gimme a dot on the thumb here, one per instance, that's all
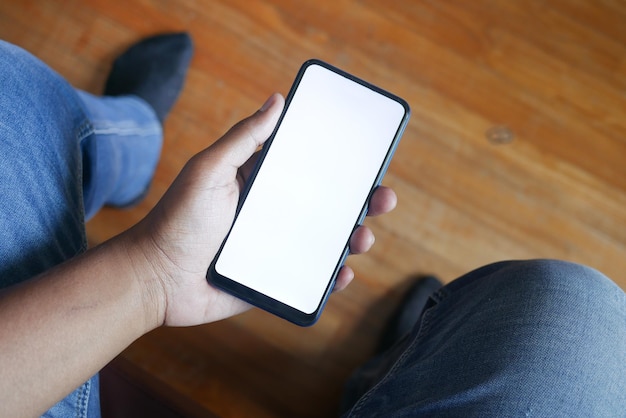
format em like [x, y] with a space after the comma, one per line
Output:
[235, 148]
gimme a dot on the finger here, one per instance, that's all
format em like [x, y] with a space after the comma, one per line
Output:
[361, 240]
[246, 169]
[383, 200]
[235, 148]
[345, 276]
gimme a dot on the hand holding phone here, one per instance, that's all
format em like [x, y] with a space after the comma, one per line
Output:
[308, 192]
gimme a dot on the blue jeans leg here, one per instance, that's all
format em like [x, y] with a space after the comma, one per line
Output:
[527, 338]
[41, 125]
[44, 123]
[122, 153]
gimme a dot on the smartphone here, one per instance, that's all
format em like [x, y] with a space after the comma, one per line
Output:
[308, 192]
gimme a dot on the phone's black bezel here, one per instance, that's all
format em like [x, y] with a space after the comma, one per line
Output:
[258, 299]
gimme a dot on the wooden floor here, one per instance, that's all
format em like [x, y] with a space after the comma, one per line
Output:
[550, 73]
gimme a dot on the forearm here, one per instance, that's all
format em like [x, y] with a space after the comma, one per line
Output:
[60, 328]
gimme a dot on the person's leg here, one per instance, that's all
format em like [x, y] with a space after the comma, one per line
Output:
[50, 134]
[41, 211]
[121, 155]
[530, 338]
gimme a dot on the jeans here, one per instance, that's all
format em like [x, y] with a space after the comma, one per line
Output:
[63, 155]
[534, 338]
[526, 338]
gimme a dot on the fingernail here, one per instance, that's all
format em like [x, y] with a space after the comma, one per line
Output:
[268, 103]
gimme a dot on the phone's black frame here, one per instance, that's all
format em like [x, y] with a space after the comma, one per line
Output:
[258, 299]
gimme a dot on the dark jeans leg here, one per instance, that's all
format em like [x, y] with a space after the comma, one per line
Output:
[527, 338]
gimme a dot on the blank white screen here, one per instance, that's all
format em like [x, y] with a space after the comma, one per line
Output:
[307, 196]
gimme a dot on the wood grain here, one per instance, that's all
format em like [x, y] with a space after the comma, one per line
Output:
[553, 72]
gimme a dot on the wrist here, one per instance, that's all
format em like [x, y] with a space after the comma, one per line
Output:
[146, 272]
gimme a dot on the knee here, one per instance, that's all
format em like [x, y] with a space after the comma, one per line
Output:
[18, 69]
[554, 286]
[558, 323]
[537, 331]
[31, 88]
[557, 275]
[541, 285]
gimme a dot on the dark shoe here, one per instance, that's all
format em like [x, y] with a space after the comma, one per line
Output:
[409, 311]
[153, 69]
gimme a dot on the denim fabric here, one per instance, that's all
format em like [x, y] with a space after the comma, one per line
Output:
[122, 154]
[46, 132]
[41, 125]
[529, 338]
[84, 402]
